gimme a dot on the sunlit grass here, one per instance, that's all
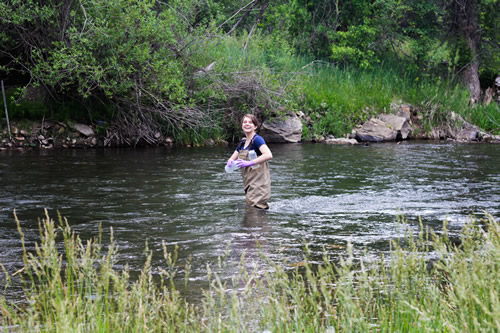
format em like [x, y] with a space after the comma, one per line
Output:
[427, 284]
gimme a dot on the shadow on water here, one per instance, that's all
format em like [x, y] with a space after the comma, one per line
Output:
[322, 196]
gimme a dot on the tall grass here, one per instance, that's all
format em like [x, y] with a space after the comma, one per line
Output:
[427, 284]
[339, 98]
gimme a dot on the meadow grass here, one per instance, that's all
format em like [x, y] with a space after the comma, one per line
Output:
[427, 283]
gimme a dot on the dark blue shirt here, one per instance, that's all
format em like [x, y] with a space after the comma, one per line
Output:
[255, 144]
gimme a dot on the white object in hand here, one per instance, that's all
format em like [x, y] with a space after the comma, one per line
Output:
[232, 167]
[252, 155]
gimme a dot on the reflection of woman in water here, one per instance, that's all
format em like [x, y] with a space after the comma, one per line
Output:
[256, 176]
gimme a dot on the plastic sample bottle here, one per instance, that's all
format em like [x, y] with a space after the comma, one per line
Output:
[252, 155]
[232, 167]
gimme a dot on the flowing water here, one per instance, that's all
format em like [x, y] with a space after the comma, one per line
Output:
[323, 196]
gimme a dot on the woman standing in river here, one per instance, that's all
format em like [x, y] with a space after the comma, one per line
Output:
[255, 171]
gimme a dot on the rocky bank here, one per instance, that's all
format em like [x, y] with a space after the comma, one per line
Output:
[403, 123]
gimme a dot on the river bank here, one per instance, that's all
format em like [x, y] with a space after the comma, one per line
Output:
[47, 134]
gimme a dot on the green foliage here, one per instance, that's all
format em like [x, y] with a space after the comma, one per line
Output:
[125, 52]
[141, 63]
[486, 117]
[354, 46]
[337, 100]
[490, 33]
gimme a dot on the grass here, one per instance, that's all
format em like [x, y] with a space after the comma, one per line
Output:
[338, 98]
[427, 284]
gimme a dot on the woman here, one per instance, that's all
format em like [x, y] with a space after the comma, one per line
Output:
[256, 176]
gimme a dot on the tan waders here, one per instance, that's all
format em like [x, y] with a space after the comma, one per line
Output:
[256, 182]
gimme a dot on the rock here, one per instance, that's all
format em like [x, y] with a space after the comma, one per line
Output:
[222, 143]
[468, 134]
[463, 130]
[341, 141]
[210, 142]
[375, 130]
[84, 129]
[387, 127]
[288, 129]
[169, 140]
[400, 124]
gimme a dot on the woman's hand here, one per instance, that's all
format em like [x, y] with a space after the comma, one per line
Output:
[243, 164]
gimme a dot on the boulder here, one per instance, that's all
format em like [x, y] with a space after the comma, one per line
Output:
[375, 130]
[468, 134]
[387, 127]
[400, 124]
[84, 129]
[341, 141]
[463, 130]
[282, 130]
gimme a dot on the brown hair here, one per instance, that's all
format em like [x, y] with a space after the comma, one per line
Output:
[252, 118]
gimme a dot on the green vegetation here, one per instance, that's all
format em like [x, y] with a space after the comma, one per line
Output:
[428, 283]
[191, 68]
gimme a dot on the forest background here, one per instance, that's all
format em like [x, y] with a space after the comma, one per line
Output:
[191, 68]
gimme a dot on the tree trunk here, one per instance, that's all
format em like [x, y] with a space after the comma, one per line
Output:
[471, 76]
[466, 24]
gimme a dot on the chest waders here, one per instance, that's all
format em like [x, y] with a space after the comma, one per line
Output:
[256, 182]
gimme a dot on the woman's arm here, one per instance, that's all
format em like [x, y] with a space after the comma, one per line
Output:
[233, 157]
[266, 154]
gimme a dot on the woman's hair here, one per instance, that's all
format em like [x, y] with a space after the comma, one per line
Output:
[252, 118]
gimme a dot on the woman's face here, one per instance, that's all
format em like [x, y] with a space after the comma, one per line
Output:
[248, 126]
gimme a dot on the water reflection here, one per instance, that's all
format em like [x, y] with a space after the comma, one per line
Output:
[251, 239]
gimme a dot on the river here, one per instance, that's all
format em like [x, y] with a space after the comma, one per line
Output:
[323, 196]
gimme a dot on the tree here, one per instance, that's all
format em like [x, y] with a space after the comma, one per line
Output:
[131, 54]
[464, 25]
